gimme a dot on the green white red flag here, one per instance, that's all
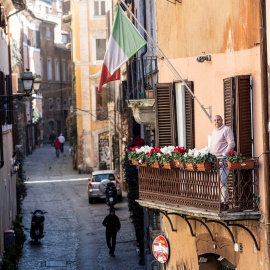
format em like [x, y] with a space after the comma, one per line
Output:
[124, 42]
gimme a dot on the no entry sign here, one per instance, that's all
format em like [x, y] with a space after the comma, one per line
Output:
[160, 249]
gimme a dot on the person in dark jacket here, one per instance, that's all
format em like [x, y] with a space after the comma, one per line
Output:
[52, 137]
[57, 146]
[112, 224]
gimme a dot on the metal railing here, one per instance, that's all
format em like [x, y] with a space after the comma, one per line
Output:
[238, 191]
[142, 75]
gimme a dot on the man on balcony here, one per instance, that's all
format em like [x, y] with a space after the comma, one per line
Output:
[222, 141]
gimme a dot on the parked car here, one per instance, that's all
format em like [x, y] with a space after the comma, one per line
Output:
[97, 184]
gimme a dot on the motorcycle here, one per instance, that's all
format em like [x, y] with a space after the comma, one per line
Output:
[37, 225]
[111, 195]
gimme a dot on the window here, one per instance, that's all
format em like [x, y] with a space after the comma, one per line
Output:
[174, 115]
[38, 39]
[49, 69]
[64, 71]
[69, 71]
[41, 67]
[57, 75]
[58, 104]
[50, 104]
[99, 8]
[237, 111]
[48, 33]
[100, 49]
[102, 104]
[64, 39]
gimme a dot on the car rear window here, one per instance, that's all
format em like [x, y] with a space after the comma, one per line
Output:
[100, 177]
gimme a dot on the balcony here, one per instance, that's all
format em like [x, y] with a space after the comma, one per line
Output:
[142, 75]
[201, 193]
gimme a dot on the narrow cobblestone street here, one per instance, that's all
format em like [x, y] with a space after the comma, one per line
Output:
[74, 235]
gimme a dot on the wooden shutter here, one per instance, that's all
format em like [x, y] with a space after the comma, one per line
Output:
[190, 125]
[165, 133]
[229, 97]
[243, 112]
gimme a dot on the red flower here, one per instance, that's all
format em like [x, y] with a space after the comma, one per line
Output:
[180, 150]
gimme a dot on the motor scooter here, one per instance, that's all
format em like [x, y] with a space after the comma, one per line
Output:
[37, 225]
[111, 195]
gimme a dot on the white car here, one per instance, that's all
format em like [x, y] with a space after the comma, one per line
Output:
[97, 184]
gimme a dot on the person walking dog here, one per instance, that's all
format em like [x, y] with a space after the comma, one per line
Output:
[112, 224]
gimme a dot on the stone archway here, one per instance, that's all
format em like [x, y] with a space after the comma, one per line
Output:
[211, 261]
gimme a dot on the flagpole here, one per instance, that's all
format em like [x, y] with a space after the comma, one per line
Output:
[167, 60]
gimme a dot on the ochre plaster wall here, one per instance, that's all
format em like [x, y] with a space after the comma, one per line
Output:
[185, 249]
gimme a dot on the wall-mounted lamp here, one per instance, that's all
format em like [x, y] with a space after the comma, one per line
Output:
[201, 59]
[29, 83]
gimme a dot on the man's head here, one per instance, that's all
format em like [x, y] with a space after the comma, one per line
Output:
[112, 212]
[217, 121]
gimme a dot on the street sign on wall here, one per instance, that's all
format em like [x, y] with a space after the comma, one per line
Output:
[160, 249]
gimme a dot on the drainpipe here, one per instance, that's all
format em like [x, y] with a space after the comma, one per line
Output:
[264, 104]
[146, 47]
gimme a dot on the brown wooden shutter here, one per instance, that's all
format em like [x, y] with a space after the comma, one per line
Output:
[229, 97]
[190, 125]
[165, 133]
[243, 112]
[9, 114]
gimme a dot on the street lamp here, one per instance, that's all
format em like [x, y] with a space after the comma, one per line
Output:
[29, 83]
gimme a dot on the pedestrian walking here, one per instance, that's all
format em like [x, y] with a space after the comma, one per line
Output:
[52, 137]
[61, 138]
[112, 224]
[57, 146]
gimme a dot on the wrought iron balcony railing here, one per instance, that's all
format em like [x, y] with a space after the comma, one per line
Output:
[142, 75]
[201, 189]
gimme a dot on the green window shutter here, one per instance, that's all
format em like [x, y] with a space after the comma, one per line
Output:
[165, 133]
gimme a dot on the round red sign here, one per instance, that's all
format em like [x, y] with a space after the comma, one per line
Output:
[160, 249]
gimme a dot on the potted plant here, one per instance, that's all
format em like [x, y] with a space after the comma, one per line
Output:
[153, 157]
[178, 156]
[142, 152]
[203, 159]
[133, 155]
[236, 161]
[167, 157]
[188, 159]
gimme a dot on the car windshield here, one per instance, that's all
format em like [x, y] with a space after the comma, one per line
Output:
[100, 177]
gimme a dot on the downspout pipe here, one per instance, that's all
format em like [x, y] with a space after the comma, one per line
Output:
[265, 120]
[146, 47]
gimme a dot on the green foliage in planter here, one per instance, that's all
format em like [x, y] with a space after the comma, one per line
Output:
[136, 211]
[71, 123]
[10, 258]
[12, 254]
[20, 236]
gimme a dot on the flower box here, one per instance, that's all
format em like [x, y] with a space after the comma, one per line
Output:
[144, 164]
[134, 162]
[246, 164]
[190, 166]
[179, 164]
[155, 164]
[168, 165]
[206, 166]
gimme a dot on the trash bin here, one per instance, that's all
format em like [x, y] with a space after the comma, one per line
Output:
[9, 238]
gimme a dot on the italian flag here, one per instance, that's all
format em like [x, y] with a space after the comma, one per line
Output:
[124, 42]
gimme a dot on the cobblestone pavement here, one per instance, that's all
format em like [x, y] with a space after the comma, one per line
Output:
[74, 236]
